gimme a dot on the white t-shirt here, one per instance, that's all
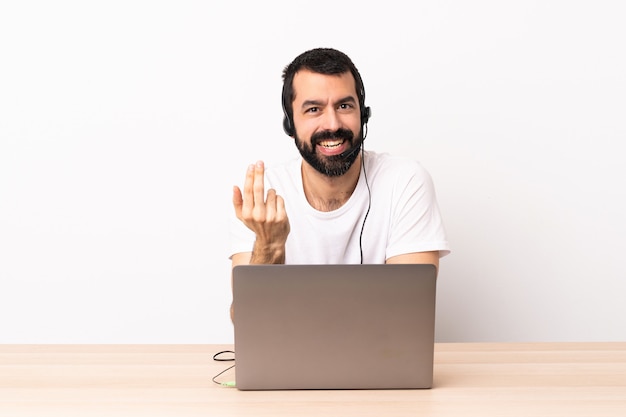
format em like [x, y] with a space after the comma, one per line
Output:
[403, 217]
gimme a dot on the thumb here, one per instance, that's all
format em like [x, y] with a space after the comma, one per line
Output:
[237, 200]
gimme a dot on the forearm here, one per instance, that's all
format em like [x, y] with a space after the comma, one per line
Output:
[268, 253]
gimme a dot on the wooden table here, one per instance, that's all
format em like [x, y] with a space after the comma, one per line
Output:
[471, 379]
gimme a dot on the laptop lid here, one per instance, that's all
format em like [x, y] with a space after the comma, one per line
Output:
[334, 326]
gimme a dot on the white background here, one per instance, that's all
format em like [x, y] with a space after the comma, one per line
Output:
[125, 124]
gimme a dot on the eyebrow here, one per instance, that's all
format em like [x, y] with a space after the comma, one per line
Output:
[347, 99]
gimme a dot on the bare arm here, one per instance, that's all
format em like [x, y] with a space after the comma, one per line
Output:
[416, 258]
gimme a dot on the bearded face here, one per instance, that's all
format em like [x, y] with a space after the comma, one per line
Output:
[322, 143]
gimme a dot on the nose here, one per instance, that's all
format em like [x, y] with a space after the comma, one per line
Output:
[331, 120]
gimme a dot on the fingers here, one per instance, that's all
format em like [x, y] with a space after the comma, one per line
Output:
[275, 207]
[258, 191]
[281, 213]
[237, 201]
[248, 190]
[258, 184]
[270, 205]
[264, 215]
[251, 203]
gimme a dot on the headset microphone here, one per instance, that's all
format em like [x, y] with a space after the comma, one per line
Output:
[350, 152]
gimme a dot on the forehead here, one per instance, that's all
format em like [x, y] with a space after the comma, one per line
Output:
[308, 85]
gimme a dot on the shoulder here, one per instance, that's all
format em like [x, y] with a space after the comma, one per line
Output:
[394, 166]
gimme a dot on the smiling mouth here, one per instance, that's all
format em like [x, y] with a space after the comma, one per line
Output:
[330, 144]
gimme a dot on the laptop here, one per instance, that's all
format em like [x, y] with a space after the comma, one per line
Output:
[334, 326]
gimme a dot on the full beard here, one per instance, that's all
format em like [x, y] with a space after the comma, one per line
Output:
[335, 165]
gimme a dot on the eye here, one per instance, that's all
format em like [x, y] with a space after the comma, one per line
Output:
[312, 110]
[346, 106]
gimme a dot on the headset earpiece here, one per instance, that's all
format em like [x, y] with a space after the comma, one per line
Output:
[366, 113]
[287, 126]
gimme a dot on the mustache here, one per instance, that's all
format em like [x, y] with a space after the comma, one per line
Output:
[329, 134]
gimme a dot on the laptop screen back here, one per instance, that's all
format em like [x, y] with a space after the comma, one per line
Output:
[334, 326]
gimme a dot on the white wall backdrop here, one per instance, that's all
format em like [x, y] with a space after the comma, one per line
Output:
[125, 124]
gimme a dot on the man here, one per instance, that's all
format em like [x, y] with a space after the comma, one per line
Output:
[337, 203]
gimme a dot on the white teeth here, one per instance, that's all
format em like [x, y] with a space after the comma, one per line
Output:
[331, 143]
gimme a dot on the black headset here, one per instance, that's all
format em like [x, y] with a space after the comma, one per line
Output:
[366, 112]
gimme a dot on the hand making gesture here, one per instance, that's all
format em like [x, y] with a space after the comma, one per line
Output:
[265, 216]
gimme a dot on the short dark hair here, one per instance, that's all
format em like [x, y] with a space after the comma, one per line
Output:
[321, 61]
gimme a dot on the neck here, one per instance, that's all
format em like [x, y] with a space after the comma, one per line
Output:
[326, 193]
